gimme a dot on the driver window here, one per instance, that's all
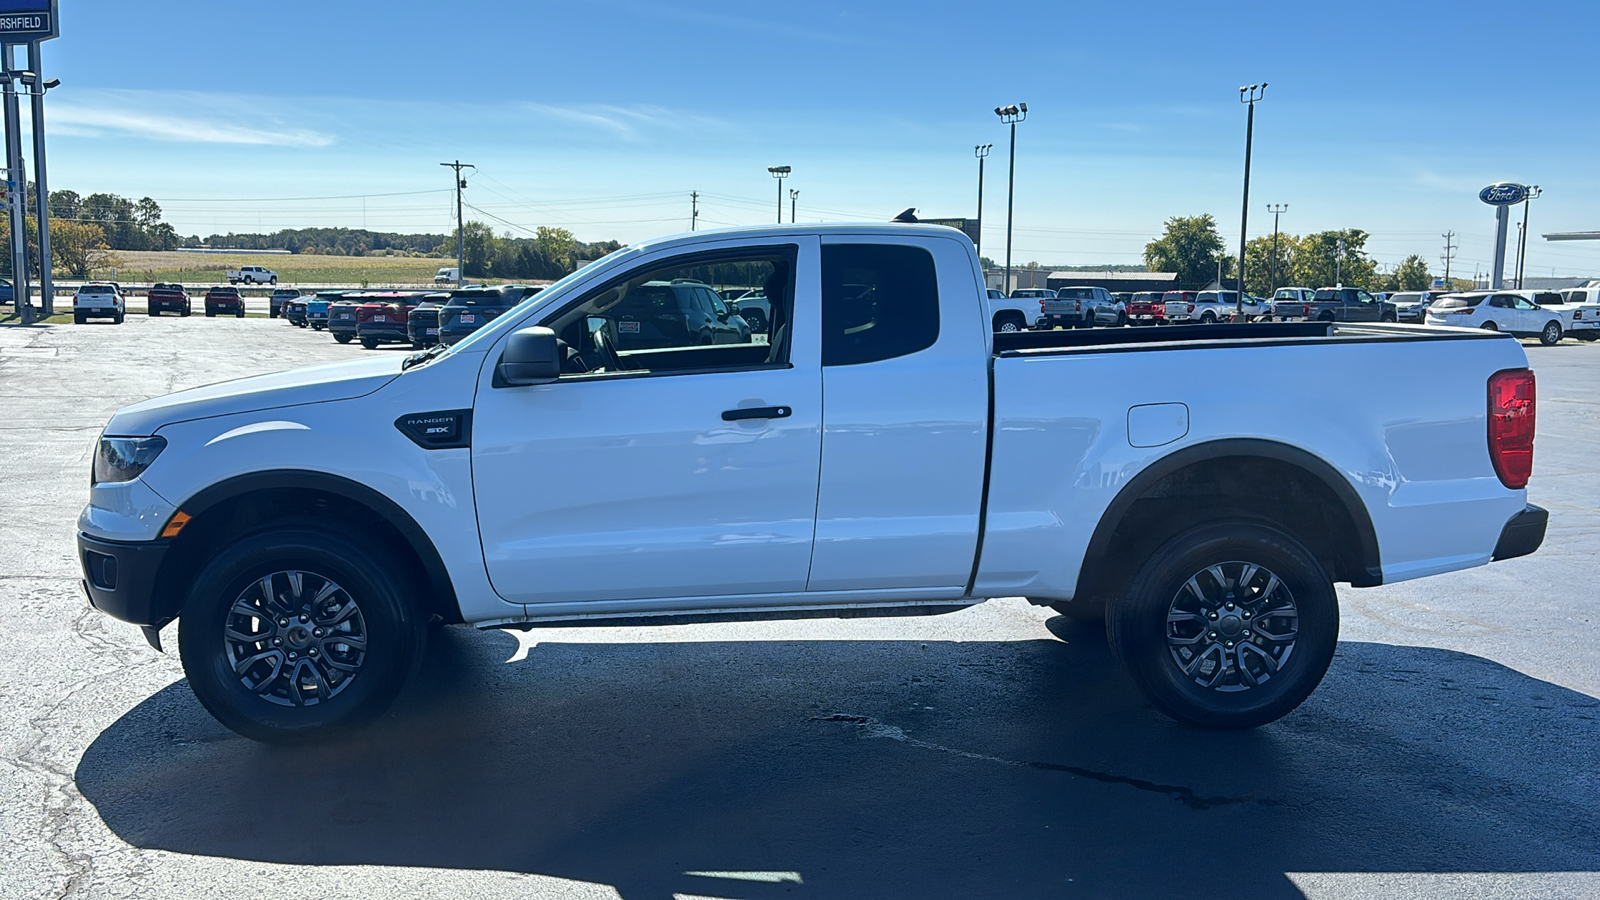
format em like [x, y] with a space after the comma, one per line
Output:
[1523, 303]
[669, 318]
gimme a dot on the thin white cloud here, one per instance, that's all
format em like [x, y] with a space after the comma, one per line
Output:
[629, 123]
[98, 121]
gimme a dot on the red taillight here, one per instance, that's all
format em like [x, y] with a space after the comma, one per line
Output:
[1305, 310]
[1077, 307]
[1041, 306]
[1191, 307]
[1511, 418]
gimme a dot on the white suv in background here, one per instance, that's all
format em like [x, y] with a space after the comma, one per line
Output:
[98, 301]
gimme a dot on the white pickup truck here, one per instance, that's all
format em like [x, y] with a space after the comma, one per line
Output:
[586, 458]
[252, 275]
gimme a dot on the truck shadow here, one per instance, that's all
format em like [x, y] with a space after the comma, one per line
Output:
[879, 768]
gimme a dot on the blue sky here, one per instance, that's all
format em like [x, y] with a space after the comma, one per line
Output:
[602, 116]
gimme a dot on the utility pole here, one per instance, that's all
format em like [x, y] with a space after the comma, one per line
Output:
[981, 151]
[1248, 96]
[1338, 265]
[1449, 255]
[1277, 209]
[1011, 115]
[1521, 236]
[794, 195]
[694, 209]
[461, 256]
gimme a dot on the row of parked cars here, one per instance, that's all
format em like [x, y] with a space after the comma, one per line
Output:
[425, 318]
[105, 300]
[1547, 315]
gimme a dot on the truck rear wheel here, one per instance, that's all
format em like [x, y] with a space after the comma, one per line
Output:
[1228, 625]
[286, 641]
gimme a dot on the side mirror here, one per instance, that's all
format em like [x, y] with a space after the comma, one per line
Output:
[531, 356]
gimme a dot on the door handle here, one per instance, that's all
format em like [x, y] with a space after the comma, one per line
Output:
[757, 412]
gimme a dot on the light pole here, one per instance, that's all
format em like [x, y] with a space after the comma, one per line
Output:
[1338, 265]
[1277, 209]
[1248, 96]
[794, 195]
[36, 86]
[981, 151]
[780, 173]
[1011, 115]
[1522, 240]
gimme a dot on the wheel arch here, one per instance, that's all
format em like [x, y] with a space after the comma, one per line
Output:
[1341, 533]
[228, 508]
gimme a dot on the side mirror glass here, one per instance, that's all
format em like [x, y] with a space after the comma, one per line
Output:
[531, 356]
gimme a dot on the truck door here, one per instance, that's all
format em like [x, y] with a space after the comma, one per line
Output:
[905, 415]
[1366, 307]
[658, 467]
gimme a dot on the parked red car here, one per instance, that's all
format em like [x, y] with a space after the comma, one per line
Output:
[381, 318]
[1147, 308]
[164, 297]
[223, 300]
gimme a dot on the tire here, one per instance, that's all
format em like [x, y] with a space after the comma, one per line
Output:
[1490, 326]
[1325, 317]
[1389, 317]
[1122, 320]
[77, 318]
[1007, 324]
[1551, 334]
[1304, 620]
[329, 690]
[369, 343]
[184, 313]
[342, 338]
[272, 280]
[756, 321]
[272, 311]
[151, 313]
[1206, 318]
[117, 319]
[211, 313]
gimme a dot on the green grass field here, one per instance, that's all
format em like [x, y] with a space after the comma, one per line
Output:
[292, 268]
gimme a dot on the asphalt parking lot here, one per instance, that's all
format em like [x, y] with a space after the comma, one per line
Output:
[1454, 749]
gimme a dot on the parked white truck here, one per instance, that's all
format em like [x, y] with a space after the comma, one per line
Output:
[252, 275]
[587, 458]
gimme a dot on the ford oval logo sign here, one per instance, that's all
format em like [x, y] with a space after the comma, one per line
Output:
[1503, 193]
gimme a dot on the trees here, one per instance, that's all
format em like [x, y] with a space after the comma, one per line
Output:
[78, 247]
[1318, 264]
[1258, 263]
[1412, 274]
[1189, 246]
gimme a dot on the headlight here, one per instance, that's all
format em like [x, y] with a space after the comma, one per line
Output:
[123, 458]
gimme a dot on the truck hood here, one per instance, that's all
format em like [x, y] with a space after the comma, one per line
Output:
[314, 384]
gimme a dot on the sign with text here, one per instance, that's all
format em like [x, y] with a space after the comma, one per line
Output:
[25, 21]
[969, 226]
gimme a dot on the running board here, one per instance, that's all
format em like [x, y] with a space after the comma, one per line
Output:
[737, 615]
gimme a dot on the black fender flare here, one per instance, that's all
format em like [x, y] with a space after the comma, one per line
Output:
[442, 590]
[1368, 570]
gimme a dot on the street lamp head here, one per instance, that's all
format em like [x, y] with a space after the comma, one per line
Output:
[1024, 107]
[779, 171]
[794, 193]
[52, 84]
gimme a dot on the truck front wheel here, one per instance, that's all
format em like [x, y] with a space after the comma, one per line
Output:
[286, 641]
[1228, 625]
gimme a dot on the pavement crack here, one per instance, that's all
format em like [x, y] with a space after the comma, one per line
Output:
[872, 728]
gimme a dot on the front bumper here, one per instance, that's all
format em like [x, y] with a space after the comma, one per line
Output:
[1523, 533]
[120, 578]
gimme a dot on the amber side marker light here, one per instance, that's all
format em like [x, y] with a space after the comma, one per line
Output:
[175, 524]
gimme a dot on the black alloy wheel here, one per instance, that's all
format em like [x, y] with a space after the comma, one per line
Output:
[1228, 625]
[285, 640]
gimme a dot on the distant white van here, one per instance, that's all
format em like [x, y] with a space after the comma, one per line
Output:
[448, 274]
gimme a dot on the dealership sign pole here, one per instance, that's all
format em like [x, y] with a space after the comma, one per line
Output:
[1501, 195]
[26, 22]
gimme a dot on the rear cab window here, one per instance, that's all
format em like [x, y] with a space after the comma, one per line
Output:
[879, 301]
